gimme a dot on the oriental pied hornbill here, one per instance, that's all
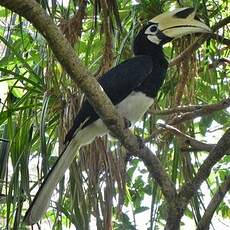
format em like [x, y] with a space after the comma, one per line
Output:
[131, 86]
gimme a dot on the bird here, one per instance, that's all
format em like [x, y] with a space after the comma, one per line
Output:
[131, 86]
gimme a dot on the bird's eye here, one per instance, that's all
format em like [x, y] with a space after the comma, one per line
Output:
[153, 28]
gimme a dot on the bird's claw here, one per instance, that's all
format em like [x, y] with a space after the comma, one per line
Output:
[140, 142]
[127, 122]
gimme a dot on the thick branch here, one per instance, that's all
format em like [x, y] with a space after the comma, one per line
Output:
[176, 208]
[222, 148]
[63, 51]
[213, 205]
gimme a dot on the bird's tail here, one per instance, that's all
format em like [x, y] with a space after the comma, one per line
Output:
[43, 196]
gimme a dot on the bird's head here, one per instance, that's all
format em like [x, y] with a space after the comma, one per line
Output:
[170, 25]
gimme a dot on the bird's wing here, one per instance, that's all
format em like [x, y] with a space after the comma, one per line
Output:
[117, 83]
[120, 81]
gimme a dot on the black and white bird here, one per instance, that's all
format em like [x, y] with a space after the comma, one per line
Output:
[131, 86]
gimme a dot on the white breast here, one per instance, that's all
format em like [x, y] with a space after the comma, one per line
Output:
[134, 106]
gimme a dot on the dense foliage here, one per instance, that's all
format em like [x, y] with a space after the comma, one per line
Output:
[106, 187]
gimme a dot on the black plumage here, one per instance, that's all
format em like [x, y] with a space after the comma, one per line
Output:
[143, 73]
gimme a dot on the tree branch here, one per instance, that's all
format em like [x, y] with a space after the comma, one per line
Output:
[220, 39]
[222, 148]
[214, 203]
[204, 110]
[191, 112]
[220, 61]
[177, 207]
[191, 108]
[63, 51]
[195, 144]
[221, 23]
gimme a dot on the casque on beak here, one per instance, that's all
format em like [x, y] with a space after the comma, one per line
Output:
[180, 22]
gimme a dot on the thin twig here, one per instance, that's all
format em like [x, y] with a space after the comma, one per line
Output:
[221, 23]
[220, 61]
[195, 144]
[4, 140]
[214, 203]
[191, 108]
[220, 39]
[222, 148]
[205, 110]
[191, 112]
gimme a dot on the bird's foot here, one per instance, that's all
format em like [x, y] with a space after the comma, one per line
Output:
[127, 122]
[140, 142]
[128, 157]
